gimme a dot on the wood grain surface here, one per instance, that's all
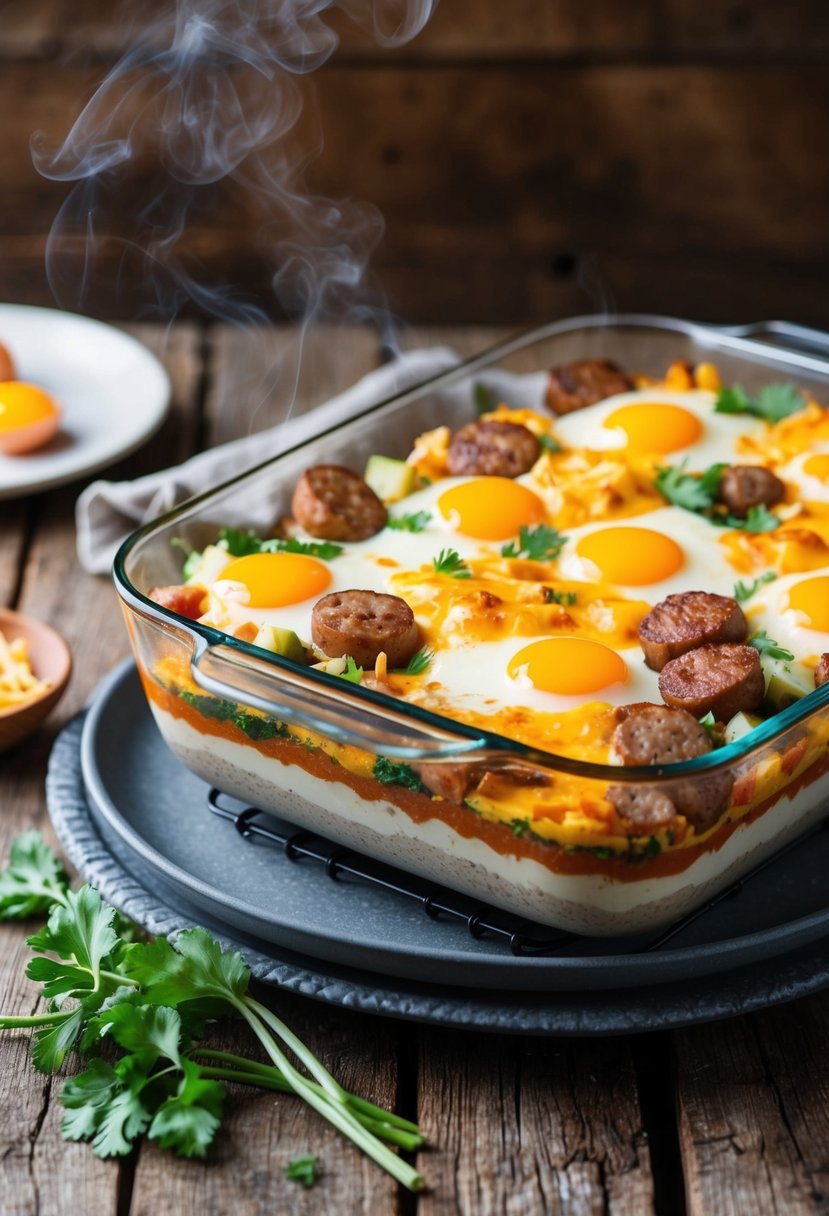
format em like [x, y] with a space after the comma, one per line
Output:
[722, 1119]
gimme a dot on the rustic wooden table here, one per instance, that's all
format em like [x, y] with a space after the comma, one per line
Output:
[720, 1119]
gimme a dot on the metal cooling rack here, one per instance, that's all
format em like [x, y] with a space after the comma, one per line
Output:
[524, 938]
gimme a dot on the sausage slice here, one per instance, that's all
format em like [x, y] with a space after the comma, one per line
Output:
[185, 600]
[657, 734]
[452, 782]
[490, 448]
[721, 680]
[743, 486]
[692, 618]
[822, 670]
[333, 503]
[575, 385]
[362, 624]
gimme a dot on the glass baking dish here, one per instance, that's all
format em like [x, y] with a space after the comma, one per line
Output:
[337, 758]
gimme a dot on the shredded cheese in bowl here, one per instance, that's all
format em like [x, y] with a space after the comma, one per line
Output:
[18, 683]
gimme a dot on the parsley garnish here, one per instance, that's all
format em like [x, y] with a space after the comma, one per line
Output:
[772, 403]
[709, 722]
[152, 1001]
[452, 564]
[242, 544]
[394, 772]
[744, 591]
[415, 522]
[418, 663]
[303, 1169]
[549, 443]
[758, 519]
[520, 826]
[688, 491]
[352, 672]
[560, 597]
[767, 646]
[538, 544]
[484, 399]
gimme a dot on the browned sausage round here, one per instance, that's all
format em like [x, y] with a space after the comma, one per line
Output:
[490, 448]
[452, 782]
[692, 618]
[333, 503]
[572, 386]
[363, 624]
[657, 734]
[822, 670]
[185, 600]
[721, 680]
[746, 485]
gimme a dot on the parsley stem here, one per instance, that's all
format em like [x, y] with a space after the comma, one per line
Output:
[119, 978]
[299, 1049]
[37, 1019]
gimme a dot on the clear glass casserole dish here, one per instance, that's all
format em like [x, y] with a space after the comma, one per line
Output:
[342, 759]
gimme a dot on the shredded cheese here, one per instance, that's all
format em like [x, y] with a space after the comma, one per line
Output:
[18, 683]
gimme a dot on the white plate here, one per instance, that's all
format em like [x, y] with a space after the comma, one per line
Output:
[113, 392]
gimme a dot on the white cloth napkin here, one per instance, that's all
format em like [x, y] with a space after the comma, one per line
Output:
[108, 511]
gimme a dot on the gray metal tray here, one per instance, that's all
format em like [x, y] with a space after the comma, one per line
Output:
[152, 814]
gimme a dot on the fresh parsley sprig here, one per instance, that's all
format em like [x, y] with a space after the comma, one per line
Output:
[538, 544]
[686, 490]
[151, 1000]
[242, 544]
[772, 403]
[419, 662]
[767, 646]
[757, 519]
[417, 521]
[352, 672]
[450, 563]
[744, 591]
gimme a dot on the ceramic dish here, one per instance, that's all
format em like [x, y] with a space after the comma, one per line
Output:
[113, 393]
[339, 758]
[50, 661]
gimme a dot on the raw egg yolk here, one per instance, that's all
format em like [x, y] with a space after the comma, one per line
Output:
[29, 417]
[818, 466]
[569, 666]
[656, 428]
[811, 597]
[276, 579]
[490, 508]
[631, 556]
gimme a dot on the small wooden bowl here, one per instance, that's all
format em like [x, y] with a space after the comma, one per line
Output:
[50, 659]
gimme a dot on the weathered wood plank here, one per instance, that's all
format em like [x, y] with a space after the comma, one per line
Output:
[42, 1175]
[13, 522]
[592, 185]
[523, 1126]
[753, 1100]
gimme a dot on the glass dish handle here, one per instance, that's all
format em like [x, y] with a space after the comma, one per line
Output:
[336, 713]
[784, 333]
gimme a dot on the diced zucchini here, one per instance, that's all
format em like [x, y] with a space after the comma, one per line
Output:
[390, 479]
[209, 566]
[281, 641]
[785, 682]
[740, 725]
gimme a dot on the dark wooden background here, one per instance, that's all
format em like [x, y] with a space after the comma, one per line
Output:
[530, 158]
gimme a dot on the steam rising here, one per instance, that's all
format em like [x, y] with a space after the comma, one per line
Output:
[205, 110]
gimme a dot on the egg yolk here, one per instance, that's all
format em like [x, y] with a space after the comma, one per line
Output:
[28, 416]
[276, 579]
[569, 666]
[490, 508]
[817, 466]
[811, 597]
[631, 556]
[651, 427]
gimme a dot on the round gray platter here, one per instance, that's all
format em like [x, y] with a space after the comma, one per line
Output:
[136, 824]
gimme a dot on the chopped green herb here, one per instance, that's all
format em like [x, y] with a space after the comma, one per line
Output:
[252, 725]
[242, 544]
[767, 646]
[33, 881]
[520, 826]
[452, 564]
[418, 663]
[484, 399]
[303, 1169]
[709, 722]
[758, 519]
[549, 443]
[772, 403]
[744, 591]
[392, 772]
[687, 490]
[538, 544]
[352, 672]
[552, 596]
[416, 522]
